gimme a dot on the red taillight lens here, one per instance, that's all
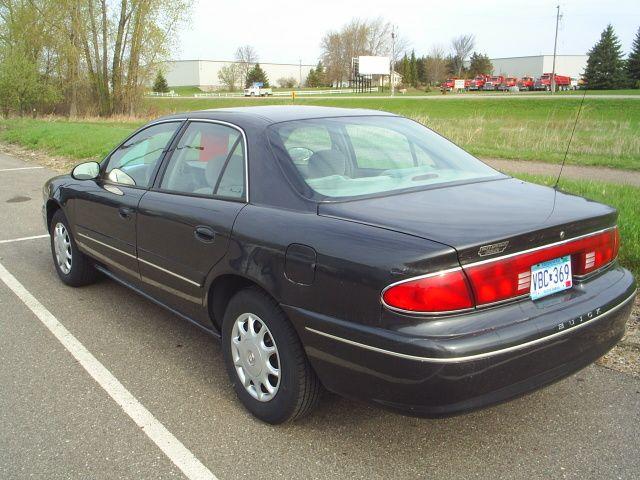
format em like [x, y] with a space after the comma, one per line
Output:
[499, 279]
[505, 278]
[441, 292]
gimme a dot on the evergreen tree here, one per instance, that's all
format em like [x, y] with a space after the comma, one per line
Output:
[605, 66]
[405, 70]
[320, 74]
[256, 75]
[421, 71]
[480, 65]
[413, 70]
[160, 84]
[633, 62]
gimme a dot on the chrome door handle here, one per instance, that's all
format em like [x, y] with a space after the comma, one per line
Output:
[204, 234]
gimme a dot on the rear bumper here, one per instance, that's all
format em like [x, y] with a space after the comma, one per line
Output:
[436, 367]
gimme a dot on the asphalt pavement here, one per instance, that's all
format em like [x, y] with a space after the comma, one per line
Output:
[61, 419]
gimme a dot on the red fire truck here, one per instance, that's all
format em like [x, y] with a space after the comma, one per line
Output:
[492, 83]
[507, 83]
[544, 82]
[526, 83]
[478, 82]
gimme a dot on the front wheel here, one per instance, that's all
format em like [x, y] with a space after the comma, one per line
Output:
[265, 359]
[73, 267]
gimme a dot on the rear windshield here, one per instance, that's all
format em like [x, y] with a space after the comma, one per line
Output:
[354, 156]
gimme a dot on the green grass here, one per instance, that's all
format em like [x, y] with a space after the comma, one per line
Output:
[74, 140]
[608, 133]
[186, 91]
[625, 198]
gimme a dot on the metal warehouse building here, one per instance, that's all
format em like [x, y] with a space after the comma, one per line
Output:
[204, 73]
[534, 66]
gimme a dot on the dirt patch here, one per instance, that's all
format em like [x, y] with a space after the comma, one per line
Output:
[625, 357]
[577, 172]
[59, 164]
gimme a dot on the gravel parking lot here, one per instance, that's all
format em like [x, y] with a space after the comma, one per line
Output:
[64, 412]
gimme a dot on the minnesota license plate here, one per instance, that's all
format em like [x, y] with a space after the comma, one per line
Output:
[551, 277]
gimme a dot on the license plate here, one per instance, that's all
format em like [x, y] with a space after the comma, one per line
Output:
[551, 277]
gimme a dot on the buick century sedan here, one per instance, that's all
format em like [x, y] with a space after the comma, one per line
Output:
[350, 250]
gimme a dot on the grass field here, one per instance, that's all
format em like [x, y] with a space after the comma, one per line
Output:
[608, 133]
[625, 198]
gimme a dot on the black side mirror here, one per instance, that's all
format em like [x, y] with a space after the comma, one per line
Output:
[86, 171]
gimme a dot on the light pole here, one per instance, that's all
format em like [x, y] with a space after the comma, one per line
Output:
[555, 47]
[393, 61]
[300, 75]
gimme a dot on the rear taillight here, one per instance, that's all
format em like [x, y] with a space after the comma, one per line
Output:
[498, 279]
[508, 277]
[441, 292]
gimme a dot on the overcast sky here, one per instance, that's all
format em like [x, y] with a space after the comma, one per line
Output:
[286, 31]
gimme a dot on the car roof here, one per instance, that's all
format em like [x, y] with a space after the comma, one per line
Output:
[269, 114]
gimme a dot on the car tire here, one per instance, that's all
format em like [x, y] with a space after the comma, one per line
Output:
[74, 267]
[296, 389]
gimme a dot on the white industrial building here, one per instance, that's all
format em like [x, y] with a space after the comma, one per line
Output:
[204, 73]
[534, 66]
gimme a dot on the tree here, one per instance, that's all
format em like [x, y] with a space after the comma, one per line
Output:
[286, 82]
[480, 64]
[461, 47]
[22, 88]
[605, 66]
[356, 38]
[633, 62]
[246, 57]
[160, 84]
[229, 75]
[436, 65]
[413, 72]
[256, 75]
[99, 50]
[421, 71]
[405, 70]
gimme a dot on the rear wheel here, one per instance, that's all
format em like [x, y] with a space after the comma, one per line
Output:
[265, 359]
[74, 268]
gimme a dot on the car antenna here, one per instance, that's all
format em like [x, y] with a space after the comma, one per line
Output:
[573, 131]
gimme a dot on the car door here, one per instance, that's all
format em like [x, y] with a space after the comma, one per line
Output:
[185, 221]
[105, 209]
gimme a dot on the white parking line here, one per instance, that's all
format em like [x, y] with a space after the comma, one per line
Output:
[11, 240]
[19, 168]
[163, 438]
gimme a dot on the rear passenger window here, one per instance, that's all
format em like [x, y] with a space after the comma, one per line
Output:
[208, 160]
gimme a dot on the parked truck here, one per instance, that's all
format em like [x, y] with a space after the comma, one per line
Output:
[257, 90]
[492, 83]
[508, 83]
[544, 82]
[478, 82]
[526, 83]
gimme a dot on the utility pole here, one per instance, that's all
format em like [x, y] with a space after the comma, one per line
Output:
[393, 61]
[555, 47]
[300, 74]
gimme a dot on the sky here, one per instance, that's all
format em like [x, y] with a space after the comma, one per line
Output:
[287, 32]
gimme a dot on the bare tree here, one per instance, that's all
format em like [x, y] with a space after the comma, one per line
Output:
[358, 37]
[461, 47]
[436, 65]
[247, 57]
[229, 75]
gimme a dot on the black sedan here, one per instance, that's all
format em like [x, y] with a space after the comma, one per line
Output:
[351, 250]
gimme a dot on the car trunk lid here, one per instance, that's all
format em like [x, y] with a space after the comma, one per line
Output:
[483, 219]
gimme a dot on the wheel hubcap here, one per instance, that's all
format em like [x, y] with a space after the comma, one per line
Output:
[62, 247]
[255, 357]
